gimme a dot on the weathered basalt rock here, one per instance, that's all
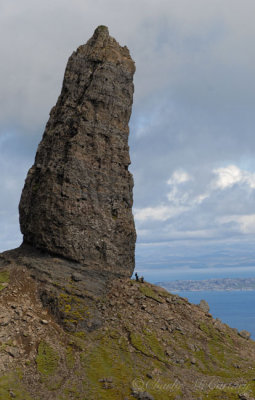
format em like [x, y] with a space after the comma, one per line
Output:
[77, 199]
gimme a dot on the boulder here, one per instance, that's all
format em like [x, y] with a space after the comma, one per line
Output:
[245, 334]
[204, 306]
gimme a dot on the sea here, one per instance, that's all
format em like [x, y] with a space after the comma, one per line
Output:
[235, 308]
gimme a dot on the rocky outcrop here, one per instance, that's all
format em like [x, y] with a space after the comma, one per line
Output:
[77, 199]
[204, 306]
[150, 344]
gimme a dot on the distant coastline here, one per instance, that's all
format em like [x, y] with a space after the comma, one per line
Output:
[223, 284]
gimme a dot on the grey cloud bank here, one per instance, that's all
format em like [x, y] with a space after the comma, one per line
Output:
[192, 130]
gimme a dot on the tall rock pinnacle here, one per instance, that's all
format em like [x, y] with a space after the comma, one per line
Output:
[77, 199]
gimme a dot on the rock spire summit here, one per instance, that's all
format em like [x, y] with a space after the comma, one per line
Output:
[77, 199]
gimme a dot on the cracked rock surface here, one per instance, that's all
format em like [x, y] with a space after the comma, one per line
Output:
[77, 199]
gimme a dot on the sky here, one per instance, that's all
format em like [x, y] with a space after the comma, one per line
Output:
[192, 140]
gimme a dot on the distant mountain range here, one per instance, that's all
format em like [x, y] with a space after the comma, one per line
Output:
[210, 284]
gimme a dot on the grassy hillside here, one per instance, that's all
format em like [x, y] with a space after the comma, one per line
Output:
[148, 344]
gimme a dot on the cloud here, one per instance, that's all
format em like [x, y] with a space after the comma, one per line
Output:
[193, 211]
[192, 128]
[246, 222]
[231, 175]
[179, 176]
[160, 213]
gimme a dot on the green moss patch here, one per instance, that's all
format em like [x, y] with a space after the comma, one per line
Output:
[225, 390]
[149, 292]
[70, 359]
[11, 387]
[138, 343]
[108, 360]
[222, 395]
[47, 360]
[148, 344]
[73, 309]
[4, 278]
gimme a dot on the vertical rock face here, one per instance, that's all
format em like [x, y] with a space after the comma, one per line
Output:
[77, 199]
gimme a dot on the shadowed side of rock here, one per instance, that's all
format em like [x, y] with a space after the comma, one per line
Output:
[60, 283]
[77, 199]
